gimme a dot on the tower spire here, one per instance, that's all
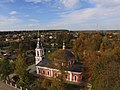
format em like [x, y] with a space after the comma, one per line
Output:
[63, 45]
[38, 42]
[39, 51]
[97, 27]
[38, 34]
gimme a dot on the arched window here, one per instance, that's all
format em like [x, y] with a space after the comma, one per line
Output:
[55, 74]
[43, 72]
[48, 72]
[38, 53]
[75, 78]
[66, 76]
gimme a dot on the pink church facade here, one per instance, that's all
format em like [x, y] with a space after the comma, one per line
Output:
[74, 75]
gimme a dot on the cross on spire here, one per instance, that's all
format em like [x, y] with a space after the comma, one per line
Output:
[39, 45]
[38, 42]
[38, 34]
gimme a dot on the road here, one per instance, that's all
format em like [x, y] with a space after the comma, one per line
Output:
[3, 86]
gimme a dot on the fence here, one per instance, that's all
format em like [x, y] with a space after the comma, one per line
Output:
[14, 85]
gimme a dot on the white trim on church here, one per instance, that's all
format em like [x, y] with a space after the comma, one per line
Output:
[75, 77]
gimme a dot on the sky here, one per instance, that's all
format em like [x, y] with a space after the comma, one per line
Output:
[59, 14]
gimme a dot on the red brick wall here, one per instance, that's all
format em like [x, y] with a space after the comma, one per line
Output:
[68, 76]
[45, 70]
[79, 77]
[55, 73]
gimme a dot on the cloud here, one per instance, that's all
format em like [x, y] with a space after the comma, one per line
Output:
[13, 13]
[106, 3]
[6, 1]
[88, 18]
[105, 13]
[106, 18]
[12, 0]
[70, 3]
[26, 15]
[65, 3]
[4, 20]
[8, 22]
[37, 1]
[33, 20]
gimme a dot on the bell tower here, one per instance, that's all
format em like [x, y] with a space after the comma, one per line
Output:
[39, 51]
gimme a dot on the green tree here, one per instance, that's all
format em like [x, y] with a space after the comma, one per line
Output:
[14, 45]
[20, 69]
[60, 61]
[5, 69]
[46, 84]
[57, 85]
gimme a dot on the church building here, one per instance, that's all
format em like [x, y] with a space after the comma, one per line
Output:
[44, 66]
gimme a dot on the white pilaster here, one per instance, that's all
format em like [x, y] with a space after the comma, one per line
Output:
[70, 76]
[37, 70]
[51, 72]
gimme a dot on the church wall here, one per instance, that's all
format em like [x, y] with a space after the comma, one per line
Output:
[70, 76]
[44, 71]
[76, 77]
[55, 72]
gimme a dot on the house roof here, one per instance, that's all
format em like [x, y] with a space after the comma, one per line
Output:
[61, 55]
[76, 67]
[44, 63]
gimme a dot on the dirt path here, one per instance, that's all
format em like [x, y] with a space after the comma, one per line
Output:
[3, 86]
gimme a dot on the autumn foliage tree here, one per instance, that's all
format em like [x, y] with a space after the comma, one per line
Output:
[100, 55]
[107, 71]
